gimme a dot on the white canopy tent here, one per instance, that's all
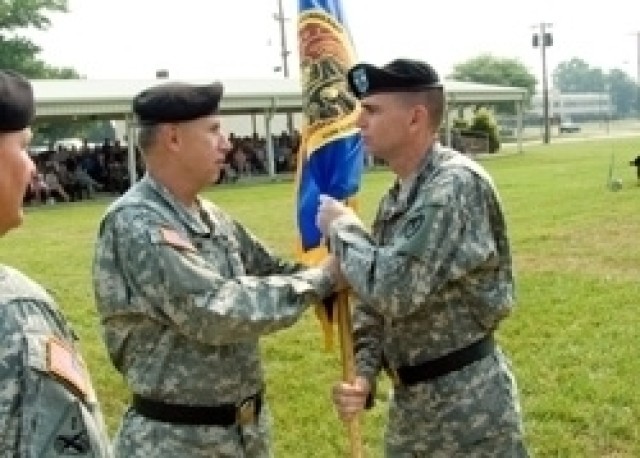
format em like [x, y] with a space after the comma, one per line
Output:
[111, 99]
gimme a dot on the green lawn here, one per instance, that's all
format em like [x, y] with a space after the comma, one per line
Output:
[573, 339]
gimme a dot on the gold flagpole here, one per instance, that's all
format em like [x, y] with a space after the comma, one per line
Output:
[348, 367]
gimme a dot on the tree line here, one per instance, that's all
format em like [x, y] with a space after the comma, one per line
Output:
[573, 76]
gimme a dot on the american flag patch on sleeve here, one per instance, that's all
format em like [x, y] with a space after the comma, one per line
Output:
[175, 239]
[66, 365]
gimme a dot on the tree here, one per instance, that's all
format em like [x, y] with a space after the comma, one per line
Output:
[576, 75]
[19, 53]
[623, 92]
[22, 14]
[488, 69]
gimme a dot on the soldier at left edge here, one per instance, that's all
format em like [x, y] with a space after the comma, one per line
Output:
[48, 407]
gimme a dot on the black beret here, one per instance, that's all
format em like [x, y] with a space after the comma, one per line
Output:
[175, 102]
[17, 107]
[400, 75]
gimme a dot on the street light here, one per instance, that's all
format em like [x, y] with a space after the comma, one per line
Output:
[543, 39]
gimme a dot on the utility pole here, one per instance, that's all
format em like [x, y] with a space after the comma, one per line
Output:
[544, 39]
[284, 52]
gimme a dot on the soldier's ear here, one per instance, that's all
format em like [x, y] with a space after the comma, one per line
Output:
[169, 136]
[419, 115]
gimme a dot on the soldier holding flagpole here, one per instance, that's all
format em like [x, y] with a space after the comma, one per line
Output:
[433, 279]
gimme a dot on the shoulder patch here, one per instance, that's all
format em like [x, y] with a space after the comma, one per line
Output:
[413, 225]
[175, 239]
[66, 365]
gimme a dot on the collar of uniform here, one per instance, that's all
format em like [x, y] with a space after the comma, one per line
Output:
[405, 185]
[402, 189]
[186, 216]
[429, 158]
[429, 162]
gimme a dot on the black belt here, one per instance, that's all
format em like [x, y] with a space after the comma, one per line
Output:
[243, 413]
[454, 361]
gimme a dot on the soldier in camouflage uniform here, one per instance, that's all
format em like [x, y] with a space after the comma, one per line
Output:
[184, 292]
[47, 405]
[433, 280]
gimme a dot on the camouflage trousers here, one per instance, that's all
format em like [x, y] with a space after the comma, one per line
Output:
[139, 437]
[474, 412]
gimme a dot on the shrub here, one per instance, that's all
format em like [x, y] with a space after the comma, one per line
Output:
[484, 121]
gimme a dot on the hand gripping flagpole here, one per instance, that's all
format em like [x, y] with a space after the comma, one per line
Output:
[348, 367]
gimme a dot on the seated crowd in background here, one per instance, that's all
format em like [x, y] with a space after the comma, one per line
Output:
[69, 174]
[248, 156]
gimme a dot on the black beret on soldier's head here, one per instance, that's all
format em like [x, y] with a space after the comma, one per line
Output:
[17, 107]
[400, 75]
[176, 102]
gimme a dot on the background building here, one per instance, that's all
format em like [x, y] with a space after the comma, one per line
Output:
[591, 106]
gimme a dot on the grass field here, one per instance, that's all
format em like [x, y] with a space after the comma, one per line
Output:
[574, 337]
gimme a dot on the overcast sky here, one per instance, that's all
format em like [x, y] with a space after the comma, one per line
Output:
[240, 38]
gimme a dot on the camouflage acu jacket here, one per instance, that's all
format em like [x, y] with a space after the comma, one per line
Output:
[435, 273]
[183, 297]
[47, 403]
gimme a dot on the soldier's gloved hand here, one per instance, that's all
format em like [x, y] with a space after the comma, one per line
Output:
[328, 211]
[350, 399]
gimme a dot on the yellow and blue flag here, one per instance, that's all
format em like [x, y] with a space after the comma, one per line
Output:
[330, 158]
